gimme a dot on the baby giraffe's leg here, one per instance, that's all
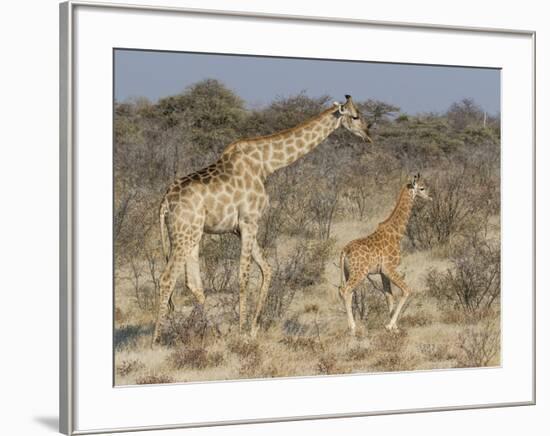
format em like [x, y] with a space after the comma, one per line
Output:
[346, 292]
[399, 282]
[386, 287]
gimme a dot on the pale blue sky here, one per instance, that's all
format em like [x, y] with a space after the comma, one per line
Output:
[259, 80]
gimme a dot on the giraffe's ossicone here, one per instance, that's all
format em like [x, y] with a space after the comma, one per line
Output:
[229, 196]
[380, 253]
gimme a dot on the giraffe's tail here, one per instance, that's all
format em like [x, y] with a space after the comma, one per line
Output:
[343, 275]
[163, 236]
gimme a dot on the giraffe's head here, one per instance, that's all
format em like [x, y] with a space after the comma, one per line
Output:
[352, 119]
[417, 188]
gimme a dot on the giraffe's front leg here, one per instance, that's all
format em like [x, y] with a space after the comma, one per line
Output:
[397, 279]
[347, 295]
[248, 236]
[386, 286]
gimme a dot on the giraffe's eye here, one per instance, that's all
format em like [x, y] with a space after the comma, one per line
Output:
[421, 189]
[355, 117]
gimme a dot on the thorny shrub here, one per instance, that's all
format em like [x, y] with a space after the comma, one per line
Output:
[196, 358]
[299, 270]
[473, 282]
[479, 345]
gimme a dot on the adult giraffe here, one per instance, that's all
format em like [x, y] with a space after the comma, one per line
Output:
[229, 196]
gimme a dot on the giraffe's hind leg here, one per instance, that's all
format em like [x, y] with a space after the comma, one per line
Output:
[194, 281]
[179, 255]
[346, 292]
[168, 279]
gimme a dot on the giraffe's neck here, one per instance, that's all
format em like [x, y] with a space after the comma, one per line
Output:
[284, 148]
[399, 218]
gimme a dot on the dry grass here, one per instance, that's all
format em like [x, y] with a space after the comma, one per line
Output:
[358, 353]
[416, 319]
[311, 338]
[196, 358]
[154, 379]
[127, 367]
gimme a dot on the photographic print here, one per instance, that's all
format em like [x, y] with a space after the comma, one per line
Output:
[283, 217]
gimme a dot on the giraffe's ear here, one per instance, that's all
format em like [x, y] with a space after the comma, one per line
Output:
[343, 109]
[340, 109]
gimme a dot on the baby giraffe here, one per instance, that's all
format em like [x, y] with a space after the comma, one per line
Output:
[380, 253]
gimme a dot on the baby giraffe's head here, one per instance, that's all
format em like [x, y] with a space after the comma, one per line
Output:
[418, 188]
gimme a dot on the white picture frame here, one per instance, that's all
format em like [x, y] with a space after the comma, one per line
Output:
[88, 398]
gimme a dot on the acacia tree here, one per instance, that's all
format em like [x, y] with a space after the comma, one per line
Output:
[464, 113]
[284, 113]
[378, 111]
[211, 113]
